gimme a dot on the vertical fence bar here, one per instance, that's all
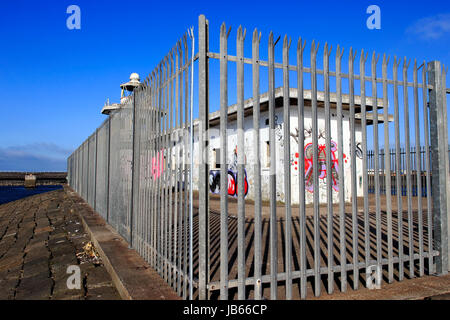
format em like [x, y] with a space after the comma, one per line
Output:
[147, 132]
[108, 181]
[326, 78]
[152, 167]
[167, 170]
[408, 167]
[439, 154]
[204, 145]
[76, 169]
[164, 171]
[188, 166]
[82, 164]
[272, 178]
[342, 245]
[387, 165]
[143, 161]
[152, 163]
[257, 163]
[136, 163]
[170, 170]
[301, 168]
[376, 160]
[181, 153]
[191, 152]
[86, 169]
[287, 169]
[143, 147]
[362, 72]
[316, 193]
[158, 164]
[138, 220]
[223, 162]
[69, 170]
[446, 151]
[164, 130]
[80, 169]
[134, 169]
[76, 172]
[177, 235]
[95, 170]
[398, 172]
[240, 166]
[418, 168]
[154, 112]
[81, 178]
[351, 81]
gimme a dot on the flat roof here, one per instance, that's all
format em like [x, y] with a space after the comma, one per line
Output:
[214, 117]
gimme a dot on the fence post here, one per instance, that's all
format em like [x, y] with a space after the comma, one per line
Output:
[439, 160]
[86, 178]
[68, 170]
[95, 171]
[108, 172]
[203, 105]
[446, 152]
[134, 179]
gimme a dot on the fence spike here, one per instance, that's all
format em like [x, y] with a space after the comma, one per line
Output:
[301, 44]
[278, 39]
[255, 35]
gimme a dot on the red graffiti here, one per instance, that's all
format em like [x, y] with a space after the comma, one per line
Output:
[158, 165]
[322, 167]
[214, 182]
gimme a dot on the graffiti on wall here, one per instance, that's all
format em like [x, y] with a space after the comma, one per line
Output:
[158, 165]
[322, 162]
[358, 150]
[214, 178]
[279, 131]
[322, 165]
[214, 182]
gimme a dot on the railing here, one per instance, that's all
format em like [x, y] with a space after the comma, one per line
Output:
[134, 171]
[296, 148]
[415, 159]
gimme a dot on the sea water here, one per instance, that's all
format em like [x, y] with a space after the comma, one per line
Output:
[12, 193]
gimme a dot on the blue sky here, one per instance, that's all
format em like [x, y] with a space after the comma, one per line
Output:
[54, 81]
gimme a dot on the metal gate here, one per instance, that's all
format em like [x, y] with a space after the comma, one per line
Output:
[278, 189]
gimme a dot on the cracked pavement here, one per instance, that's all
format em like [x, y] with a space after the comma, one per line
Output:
[39, 239]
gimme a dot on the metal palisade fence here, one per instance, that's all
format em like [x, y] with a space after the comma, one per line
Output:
[416, 158]
[134, 169]
[300, 209]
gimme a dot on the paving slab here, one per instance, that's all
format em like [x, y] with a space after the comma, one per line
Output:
[39, 239]
[132, 275]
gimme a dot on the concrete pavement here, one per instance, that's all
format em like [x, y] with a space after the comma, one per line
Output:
[40, 237]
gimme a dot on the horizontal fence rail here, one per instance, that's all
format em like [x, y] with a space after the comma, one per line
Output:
[283, 194]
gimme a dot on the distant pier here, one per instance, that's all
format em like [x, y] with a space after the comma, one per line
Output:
[42, 178]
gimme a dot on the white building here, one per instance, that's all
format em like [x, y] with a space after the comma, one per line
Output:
[214, 154]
